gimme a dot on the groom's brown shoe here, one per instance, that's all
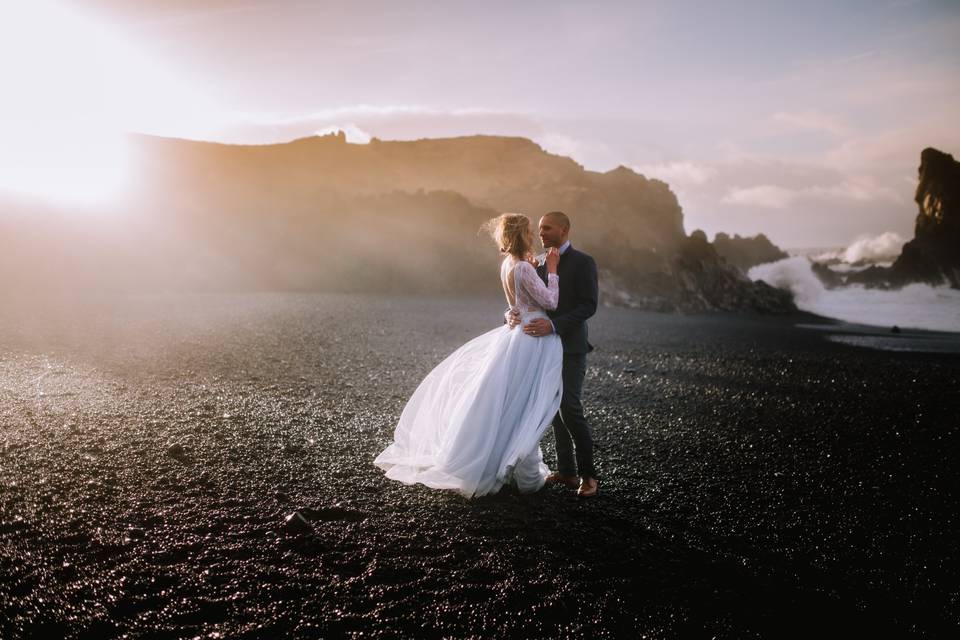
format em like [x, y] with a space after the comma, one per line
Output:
[570, 482]
[588, 488]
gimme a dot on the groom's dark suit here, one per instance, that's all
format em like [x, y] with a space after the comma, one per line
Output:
[578, 301]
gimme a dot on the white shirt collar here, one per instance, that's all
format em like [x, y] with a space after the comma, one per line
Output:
[541, 258]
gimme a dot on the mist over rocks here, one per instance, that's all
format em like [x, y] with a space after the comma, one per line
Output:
[321, 214]
[745, 252]
[696, 278]
[699, 279]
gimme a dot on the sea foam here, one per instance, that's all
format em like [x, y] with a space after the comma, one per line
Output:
[917, 306]
[866, 249]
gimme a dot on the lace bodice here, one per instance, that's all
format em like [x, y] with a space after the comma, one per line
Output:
[525, 290]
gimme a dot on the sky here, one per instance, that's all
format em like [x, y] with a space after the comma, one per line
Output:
[804, 121]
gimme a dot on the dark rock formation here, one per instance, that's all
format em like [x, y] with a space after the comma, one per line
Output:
[830, 278]
[705, 281]
[933, 256]
[490, 172]
[319, 214]
[934, 253]
[747, 252]
[697, 278]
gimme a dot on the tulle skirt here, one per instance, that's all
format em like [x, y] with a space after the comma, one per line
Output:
[476, 420]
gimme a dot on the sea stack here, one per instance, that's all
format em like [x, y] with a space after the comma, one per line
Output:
[934, 253]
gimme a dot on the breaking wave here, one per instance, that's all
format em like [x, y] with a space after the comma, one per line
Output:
[882, 248]
[918, 306]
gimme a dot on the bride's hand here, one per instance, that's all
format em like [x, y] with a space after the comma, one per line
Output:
[532, 260]
[553, 259]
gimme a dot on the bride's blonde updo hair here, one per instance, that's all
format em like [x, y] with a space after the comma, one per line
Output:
[511, 232]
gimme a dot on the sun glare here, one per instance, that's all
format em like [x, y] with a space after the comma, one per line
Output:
[72, 88]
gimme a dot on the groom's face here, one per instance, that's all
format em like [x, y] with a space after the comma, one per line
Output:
[552, 233]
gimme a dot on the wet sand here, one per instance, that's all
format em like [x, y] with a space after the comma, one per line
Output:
[758, 479]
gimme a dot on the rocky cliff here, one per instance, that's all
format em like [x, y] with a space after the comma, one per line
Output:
[697, 278]
[491, 172]
[934, 253]
[322, 214]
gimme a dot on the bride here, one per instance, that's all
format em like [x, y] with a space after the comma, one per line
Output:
[476, 420]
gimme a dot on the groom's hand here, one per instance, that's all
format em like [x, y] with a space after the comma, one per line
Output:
[538, 328]
[512, 316]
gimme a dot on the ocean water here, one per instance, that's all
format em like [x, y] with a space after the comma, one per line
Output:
[918, 306]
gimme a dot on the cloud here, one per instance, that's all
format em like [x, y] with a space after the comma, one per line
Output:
[411, 122]
[893, 150]
[812, 121]
[852, 189]
[681, 173]
[361, 111]
[863, 55]
[901, 4]
[767, 196]
[857, 188]
[586, 152]
[388, 122]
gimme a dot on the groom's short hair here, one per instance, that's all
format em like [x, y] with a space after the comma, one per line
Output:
[560, 217]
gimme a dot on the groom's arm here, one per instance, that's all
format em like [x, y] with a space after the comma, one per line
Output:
[588, 293]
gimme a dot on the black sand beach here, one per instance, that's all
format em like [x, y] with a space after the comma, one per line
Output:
[758, 479]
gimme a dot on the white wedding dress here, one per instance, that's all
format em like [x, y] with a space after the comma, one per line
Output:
[476, 420]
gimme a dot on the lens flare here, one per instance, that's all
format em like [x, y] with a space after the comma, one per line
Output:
[72, 88]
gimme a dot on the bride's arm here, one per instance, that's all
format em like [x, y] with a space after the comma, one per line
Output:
[547, 295]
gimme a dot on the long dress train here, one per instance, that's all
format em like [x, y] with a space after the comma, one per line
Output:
[476, 420]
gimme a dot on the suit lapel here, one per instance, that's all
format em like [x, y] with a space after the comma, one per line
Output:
[542, 269]
[565, 258]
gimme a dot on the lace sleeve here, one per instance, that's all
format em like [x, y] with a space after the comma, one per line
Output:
[546, 296]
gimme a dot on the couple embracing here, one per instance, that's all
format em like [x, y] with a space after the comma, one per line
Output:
[475, 422]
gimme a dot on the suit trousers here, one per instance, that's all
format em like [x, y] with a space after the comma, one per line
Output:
[570, 428]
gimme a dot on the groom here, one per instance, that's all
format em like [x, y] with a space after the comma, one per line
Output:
[578, 301]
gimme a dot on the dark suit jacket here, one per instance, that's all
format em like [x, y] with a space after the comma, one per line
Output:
[579, 293]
